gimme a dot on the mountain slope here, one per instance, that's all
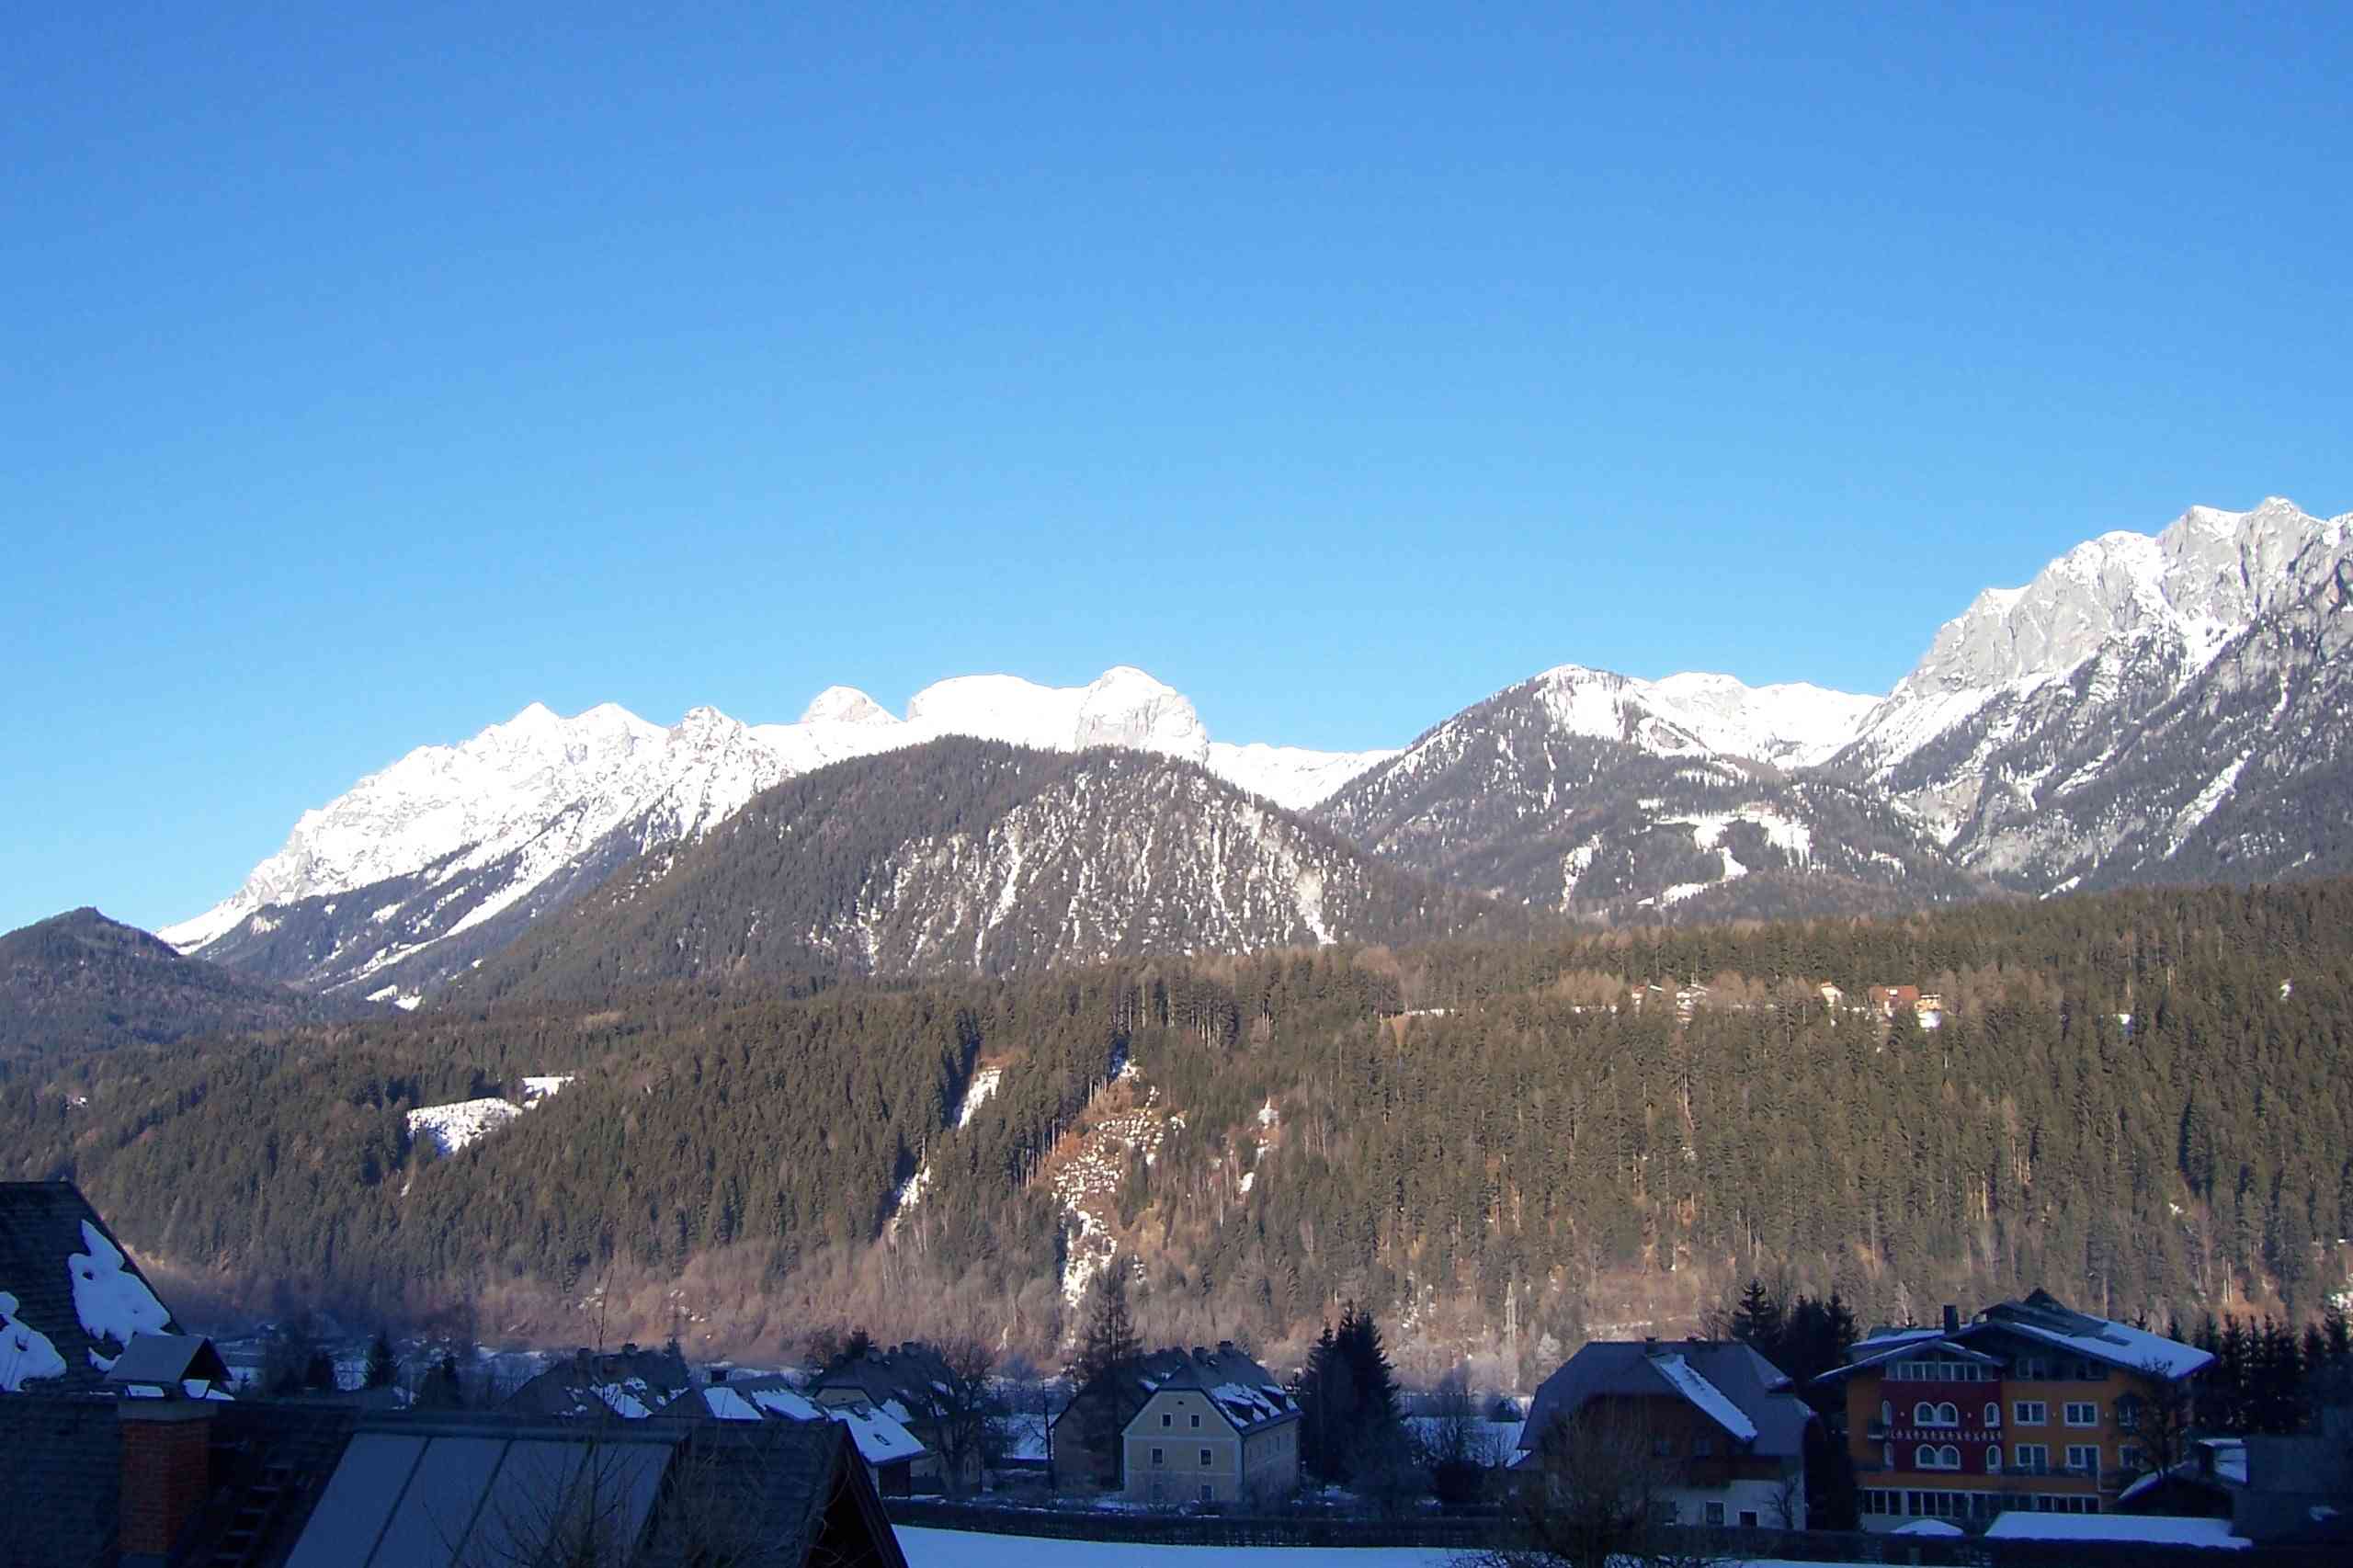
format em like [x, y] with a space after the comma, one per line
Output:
[80, 980]
[2048, 720]
[963, 855]
[443, 857]
[1596, 795]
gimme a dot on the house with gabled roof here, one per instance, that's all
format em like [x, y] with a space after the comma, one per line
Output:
[1721, 1428]
[910, 1383]
[2029, 1406]
[1214, 1427]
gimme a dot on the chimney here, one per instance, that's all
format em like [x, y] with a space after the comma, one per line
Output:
[1650, 1345]
[167, 1474]
[1953, 1318]
[1225, 1347]
[718, 1375]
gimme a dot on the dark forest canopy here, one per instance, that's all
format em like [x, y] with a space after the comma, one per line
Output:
[2137, 1099]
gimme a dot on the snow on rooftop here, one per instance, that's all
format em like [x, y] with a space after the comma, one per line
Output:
[880, 1439]
[2148, 1530]
[1706, 1395]
[25, 1353]
[112, 1302]
[2120, 1344]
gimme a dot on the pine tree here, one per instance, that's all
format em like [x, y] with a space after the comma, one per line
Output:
[1102, 1373]
[382, 1365]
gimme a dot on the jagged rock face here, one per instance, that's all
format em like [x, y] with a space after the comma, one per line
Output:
[2048, 726]
[442, 858]
[966, 855]
[1583, 792]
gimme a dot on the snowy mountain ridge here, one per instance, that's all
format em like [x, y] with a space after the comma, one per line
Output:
[543, 790]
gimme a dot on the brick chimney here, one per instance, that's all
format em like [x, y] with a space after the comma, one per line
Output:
[167, 1474]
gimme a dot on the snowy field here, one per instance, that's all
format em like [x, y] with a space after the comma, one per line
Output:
[956, 1549]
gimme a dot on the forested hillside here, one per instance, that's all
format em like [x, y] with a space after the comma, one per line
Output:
[2139, 1100]
[79, 981]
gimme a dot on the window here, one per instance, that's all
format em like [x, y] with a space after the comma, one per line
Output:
[1158, 1456]
[1948, 1414]
[1197, 1418]
[2033, 1368]
[2128, 1413]
[1923, 1414]
[1166, 1419]
[1155, 1491]
[1993, 1459]
[1887, 1456]
[1993, 1415]
[1715, 1513]
[2128, 1457]
[1929, 1456]
[1205, 1459]
[2032, 1412]
[2032, 1458]
[1948, 1457]
[2083, 1458]
[1209, 1492]
[2083, 1415]
[1886, 1414]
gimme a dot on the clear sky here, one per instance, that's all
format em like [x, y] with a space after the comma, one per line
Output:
[363, 380]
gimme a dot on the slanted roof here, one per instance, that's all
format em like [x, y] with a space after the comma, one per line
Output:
[783, 1492]
[2041, 1319]
[164, 1360]
[1729, 1383]
[71, 1300]
[1243, 1392]
[880, 1439]
[427, 1493]
[912, 1375]
[629, 1383]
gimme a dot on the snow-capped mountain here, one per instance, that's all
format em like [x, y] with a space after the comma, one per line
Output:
[969, 855]
[1596, 794]
[2038, 700]
[440, 857]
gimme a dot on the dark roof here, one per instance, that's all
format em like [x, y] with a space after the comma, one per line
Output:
[64, 1466]
[58, 1264]
[772, 1491]
[629, 1382]
[1244, 1392]
[167, 1358]
[906, 1373]
[2042, 1324]
[1749, 1384]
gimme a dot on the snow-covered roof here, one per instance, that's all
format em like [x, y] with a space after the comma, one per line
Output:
[2120, 1344]
[2150, 1529]
[1238, 1388]
[69, 1299]
[2045, 1320]
[881, 1438]
[1706, 1395]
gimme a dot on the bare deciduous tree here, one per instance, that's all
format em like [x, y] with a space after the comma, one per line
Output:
[1600, 1499]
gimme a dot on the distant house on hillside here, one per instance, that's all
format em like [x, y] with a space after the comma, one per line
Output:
[1716, 1431]
[1889, 1000]
[71, 1299]
[890, 1450]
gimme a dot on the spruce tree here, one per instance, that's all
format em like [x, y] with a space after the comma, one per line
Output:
[382, 1365]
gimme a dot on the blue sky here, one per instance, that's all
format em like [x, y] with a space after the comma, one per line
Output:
[363, 380]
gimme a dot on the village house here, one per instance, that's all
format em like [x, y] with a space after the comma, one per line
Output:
[1192, 1426]
[2029, 1406]
[910, 1383]
[1215, 1428]
[1716, 1428]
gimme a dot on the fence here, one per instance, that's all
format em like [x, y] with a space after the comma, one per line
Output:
[1481, 1532]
